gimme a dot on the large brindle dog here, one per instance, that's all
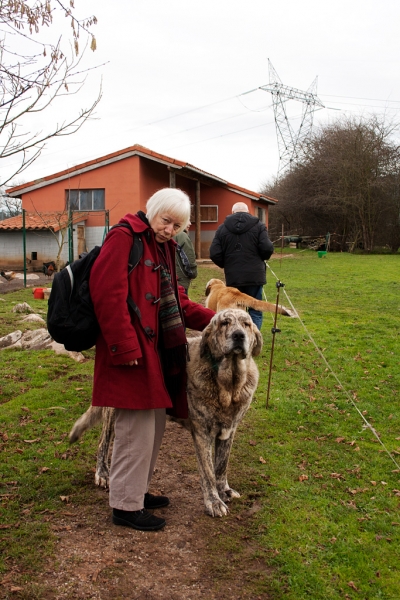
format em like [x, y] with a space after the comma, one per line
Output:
[219, 296]
[222, 378]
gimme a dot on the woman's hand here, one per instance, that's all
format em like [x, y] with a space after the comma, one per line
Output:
[130, 363]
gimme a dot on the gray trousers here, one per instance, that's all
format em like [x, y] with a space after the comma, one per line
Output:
[138, 437]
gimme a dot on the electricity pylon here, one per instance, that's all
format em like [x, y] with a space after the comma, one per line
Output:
[291, 145]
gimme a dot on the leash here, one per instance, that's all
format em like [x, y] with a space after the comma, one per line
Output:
[274, 331]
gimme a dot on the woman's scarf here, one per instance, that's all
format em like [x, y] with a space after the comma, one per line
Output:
[173, 341]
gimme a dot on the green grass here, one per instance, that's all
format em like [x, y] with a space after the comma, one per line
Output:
[324, 527]
[319, 517]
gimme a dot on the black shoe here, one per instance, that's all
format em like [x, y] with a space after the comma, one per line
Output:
[151, 501]
[137, 519]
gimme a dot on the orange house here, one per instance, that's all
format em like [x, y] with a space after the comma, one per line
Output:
[94, 196]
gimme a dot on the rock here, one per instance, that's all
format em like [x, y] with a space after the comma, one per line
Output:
[59, 349]
[23, 308]
[39, 339]
[11, 339]
[33, 319]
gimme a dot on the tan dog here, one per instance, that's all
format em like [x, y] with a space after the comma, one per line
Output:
[219, 297]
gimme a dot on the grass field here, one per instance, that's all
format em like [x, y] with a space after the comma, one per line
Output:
[327, 493]
[325, 490]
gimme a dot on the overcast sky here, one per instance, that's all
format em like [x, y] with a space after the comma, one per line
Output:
[176, 72]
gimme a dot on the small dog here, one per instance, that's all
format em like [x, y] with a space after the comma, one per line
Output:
[222, 378]
[219, 296]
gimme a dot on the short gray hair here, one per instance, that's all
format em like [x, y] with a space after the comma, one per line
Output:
[169, 200]
[240, 207]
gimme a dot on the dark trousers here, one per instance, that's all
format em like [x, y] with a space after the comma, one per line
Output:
[255, 291]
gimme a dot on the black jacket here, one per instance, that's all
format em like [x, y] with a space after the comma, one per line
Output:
[240, 246]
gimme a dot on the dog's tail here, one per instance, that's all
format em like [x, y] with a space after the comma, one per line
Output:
[89, 419]
[248, 302]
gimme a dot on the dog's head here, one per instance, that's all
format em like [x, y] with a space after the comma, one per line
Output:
[229, 332]
[213, 283]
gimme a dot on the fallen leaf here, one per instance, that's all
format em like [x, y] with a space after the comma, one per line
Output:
[373, 482]
[78, 389]
[64, 498]
[44, 469]
[252, 443]
[383, 483]
[262, 460]
[352, 585]
[15, 588]
[32, 441]
[303, 477]
[340, 439]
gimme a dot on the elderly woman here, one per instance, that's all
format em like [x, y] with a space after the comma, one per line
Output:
[140, 366]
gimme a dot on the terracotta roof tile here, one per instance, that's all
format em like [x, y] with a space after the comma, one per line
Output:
[50, 220]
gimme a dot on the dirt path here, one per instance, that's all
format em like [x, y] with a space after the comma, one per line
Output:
[98, 560]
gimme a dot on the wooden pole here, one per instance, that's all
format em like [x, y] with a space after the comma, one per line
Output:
[197, 212]
[274, 331]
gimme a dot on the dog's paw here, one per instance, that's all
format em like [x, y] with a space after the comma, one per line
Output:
[101, 480]
[227, 495]
[215, 507]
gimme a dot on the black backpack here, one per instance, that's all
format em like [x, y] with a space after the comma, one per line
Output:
[71, 319]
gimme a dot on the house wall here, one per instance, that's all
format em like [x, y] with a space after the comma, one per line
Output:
[119, 179]
[41, 242]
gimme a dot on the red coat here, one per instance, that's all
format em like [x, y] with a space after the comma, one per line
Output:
[122, 338]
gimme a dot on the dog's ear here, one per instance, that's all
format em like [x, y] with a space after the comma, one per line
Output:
[205, 336]
[258, 341]
[208, 287]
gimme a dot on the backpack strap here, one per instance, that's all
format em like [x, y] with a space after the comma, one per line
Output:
[134, 258]
[137, 247]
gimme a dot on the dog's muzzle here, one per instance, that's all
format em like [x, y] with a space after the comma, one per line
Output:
[238, 338]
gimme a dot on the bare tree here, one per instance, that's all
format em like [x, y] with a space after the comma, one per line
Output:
[33, 73]
[347, 184]
[9, 207]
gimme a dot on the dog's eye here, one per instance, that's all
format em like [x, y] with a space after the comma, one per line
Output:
[247, 324]
[225, 322]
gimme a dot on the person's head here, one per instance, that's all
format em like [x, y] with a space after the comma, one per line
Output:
[240, 207]
[168, 212]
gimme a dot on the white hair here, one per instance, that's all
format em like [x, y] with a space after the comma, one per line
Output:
[240, 207]
[172, 201]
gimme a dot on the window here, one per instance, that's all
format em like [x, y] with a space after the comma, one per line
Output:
[261, 214]
[85, 199]
[208, 214]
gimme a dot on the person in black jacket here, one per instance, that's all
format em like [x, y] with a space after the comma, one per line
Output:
[240, 246]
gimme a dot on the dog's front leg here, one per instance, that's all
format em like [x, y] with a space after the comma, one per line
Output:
[214, 506]
[223, 447]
